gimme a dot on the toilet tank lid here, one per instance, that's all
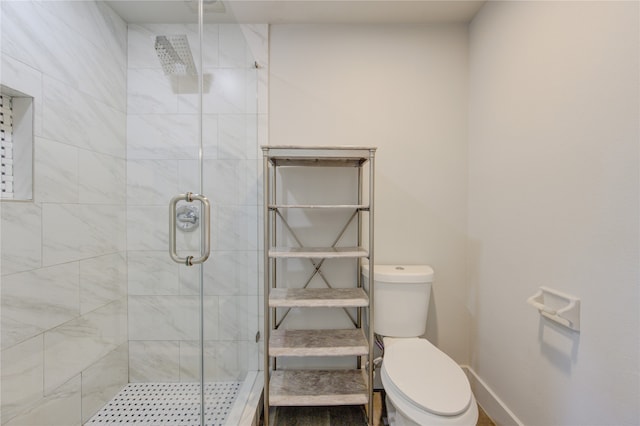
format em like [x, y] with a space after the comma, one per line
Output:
[400, 273]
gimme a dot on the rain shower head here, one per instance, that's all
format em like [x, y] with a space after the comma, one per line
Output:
[175, 55]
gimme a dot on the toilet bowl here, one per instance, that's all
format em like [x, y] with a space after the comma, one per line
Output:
[423, 385]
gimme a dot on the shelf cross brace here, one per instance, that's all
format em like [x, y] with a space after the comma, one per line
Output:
[318, 265]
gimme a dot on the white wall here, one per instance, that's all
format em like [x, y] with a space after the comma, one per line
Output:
[64, 309]
[404, 90]
[553, 200]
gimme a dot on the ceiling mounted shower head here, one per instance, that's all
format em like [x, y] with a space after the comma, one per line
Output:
[175, 55]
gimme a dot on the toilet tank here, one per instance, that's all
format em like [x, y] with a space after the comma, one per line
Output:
[401, 298]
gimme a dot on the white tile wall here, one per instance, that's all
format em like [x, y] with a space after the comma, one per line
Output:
[61, 407]
[38, 300]
[104, 379]
[234, 318]
[238, 135]
[63, 261]
[154, 361]
[78, 344]
[21, 237]
[73, 117]
[101, 178]
[152, 273]
[163, 317]
[231, 273]
[149, 181]
[76, 231]
[234, 50]
[39, 37]
[22, 371]
[232, 357]
[103, 279]
[164, 136]
[237, 228]
[147, 227]
[56, 176]
[190, 277]
[171, 317]
[190, 361]
[150, 92]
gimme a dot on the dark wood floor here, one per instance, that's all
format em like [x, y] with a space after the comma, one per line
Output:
[341, 415]
[483, 419]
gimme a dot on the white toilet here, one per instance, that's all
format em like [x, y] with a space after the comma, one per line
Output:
[423, 385]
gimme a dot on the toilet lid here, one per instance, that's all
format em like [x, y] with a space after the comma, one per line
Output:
[427, 377]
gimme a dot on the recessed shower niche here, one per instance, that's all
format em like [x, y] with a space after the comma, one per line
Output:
[16, 145]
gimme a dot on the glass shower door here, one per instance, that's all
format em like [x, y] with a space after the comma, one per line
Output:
[168, 217]
[199, 322]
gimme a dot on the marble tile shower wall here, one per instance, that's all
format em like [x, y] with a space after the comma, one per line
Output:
[162, 160]
[63, 290]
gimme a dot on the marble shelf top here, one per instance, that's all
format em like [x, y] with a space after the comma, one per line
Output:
[318, 343]
[328, 156]
[320, 206]
[318, 387]
[317, 298]
[304, 148]
[318, 252]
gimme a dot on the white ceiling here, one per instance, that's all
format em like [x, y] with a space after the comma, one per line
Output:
[299, 11]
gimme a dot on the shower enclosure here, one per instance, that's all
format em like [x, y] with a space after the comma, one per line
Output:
[130, 105]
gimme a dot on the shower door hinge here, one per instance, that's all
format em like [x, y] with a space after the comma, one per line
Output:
[257, 336]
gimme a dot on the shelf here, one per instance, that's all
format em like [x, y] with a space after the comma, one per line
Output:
[318, 343]
[309, 387]
[318, 387]
[318, 298]
[361, 207]
[323, 156]
[317, 252]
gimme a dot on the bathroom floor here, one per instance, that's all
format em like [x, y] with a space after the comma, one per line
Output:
[168, 404]
[342, 416]
[483, 419]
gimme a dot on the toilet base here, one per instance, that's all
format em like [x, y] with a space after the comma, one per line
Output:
[395, 418]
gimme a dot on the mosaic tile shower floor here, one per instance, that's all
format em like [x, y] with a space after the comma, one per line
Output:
[170, 404]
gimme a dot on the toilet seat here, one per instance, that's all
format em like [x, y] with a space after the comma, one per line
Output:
[426, 377]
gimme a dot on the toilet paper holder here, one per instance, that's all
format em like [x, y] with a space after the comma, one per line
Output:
[557, 306]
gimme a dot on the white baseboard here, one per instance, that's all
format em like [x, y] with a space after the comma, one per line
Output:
[489, 401]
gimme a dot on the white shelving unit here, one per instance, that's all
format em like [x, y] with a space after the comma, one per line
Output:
[308, 387]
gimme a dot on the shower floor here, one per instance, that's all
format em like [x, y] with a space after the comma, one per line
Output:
[155, 404]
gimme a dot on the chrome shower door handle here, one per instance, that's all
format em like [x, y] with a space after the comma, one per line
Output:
[206, 230]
